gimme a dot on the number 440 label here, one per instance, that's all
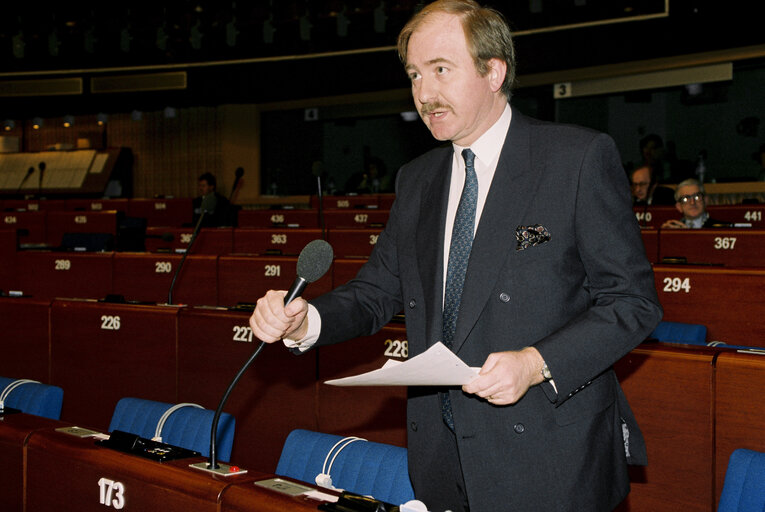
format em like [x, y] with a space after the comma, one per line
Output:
[111, 493]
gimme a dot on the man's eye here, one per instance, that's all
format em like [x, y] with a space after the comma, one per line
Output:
[414, 76]
[441, 70]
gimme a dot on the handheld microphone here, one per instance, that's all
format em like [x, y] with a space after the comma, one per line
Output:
[313, 262]
[238, 176]
[208, 206]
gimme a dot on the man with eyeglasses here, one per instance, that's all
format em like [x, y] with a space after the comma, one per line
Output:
[689, 200]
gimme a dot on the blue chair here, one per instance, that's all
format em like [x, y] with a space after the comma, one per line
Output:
[32, 397]
[744, 487]
[184, 425]
[355, 465]
[677, 332]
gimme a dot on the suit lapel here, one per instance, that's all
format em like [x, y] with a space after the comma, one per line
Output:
[430, 241]
[509, 197]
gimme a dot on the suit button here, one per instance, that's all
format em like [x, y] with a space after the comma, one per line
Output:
[413, 426]
[519, 428]
[412, 303]
[504, 297]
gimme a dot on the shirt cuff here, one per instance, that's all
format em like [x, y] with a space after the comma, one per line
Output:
[314, 329]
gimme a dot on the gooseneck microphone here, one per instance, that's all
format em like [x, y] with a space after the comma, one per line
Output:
[29, 173]
[313, 262]
[237, 176]
[209, 202]
[40, 166]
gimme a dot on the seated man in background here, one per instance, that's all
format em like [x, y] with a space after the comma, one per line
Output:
[222, 213]
[689, 200]
[646, 190]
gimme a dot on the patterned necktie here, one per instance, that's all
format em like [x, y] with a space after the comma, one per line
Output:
[459, 253]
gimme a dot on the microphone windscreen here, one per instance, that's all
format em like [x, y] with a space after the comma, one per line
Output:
[314, 260]
[239, 172]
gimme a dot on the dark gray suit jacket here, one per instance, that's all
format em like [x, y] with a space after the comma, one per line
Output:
[584, 299]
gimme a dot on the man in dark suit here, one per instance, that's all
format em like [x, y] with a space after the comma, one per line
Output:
[556, 286]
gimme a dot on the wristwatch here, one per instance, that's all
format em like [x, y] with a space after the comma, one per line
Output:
[545, 371]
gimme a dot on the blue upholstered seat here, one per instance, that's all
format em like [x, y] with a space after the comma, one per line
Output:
[188, 427]
[362, 467]
[677, 332]
[34, 398]
[744, 488]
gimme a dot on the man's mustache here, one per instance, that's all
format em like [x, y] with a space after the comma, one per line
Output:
[429, 108]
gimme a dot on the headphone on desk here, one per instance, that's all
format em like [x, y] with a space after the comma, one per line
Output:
[324, 479]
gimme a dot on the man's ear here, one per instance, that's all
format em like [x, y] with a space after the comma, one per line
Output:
[497, 72]
[677, 205]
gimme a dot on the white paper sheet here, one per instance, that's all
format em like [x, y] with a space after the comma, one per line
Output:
[437, 366]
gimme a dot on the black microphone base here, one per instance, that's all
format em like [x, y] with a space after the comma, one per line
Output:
[222, 469]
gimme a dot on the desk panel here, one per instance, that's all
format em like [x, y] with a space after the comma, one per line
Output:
[97, 205]
[8, 243]
[753, 214]
[276, 241]
[147, 277]
[34, 205]
[15, 429]
[248, 497]
[740, 411]
[651, 244]
[670, 392]
[352, 218]
[729, 302]
[343, 202]
[654, 216]
[25, 339]
[47, 275]
[62, 222]
[353, 243]
[65, 469]
[29, 224]
[375, 413]
[247, 278]
[296, 218]
[175, 212]
[103, 352]
[274, 396]
[728, 247]
[209, 240]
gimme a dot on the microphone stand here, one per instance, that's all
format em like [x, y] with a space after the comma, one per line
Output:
[185, 254]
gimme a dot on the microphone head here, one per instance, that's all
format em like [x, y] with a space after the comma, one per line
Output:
[314, 260]
[41, 166]
[239, 172]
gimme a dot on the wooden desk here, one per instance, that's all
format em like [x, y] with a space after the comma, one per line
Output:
[374, 413]
[174, 212]
[60, 222]
[34, 205]
[670, 392]
[753, 214]
[273, 397]
[209, 240]
[739, 411]
[281, 241]
[25, 341]
[353, 243]
[728, 247]
[729, 302]
[293, 218]
[147, 278]
[344, 202]
[103, 352]
[31, 225]
[61, 468]
[15, 430]
[246, 279]
[8, 243]
[47, 275]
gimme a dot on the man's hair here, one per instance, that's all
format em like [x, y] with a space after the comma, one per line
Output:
[651, 174]
[209, 178]
[686, 183]
[486, 32]
[651, 137]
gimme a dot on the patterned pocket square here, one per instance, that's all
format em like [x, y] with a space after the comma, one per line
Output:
[529, 236]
